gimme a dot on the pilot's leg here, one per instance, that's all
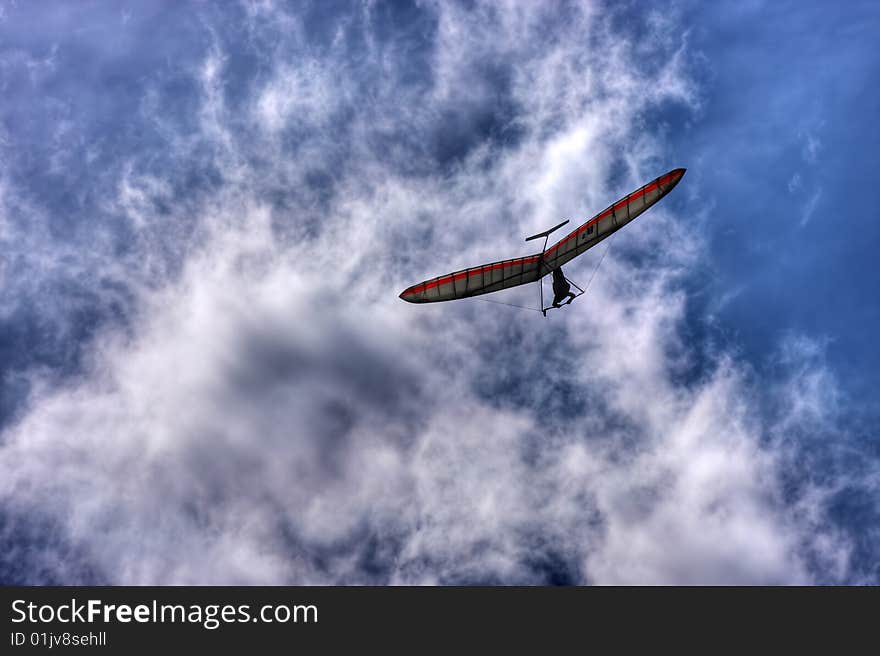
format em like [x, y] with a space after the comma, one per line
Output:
[560, 290]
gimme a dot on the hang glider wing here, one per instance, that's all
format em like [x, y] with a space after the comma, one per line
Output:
[477, 280]
[610, 220]
[511, 273]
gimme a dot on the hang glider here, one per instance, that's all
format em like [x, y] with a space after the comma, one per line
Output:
[505, 274]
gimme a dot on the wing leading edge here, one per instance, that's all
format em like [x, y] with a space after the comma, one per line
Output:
[504, 274]
[483, 279]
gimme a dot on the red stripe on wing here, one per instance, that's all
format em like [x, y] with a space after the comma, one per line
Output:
[429, 284]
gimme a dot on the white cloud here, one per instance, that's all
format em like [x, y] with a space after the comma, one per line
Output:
[810, 206]
[275, 414]
[812, 147]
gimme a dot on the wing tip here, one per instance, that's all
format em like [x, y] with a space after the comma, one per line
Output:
[408, 294]
[673, 178]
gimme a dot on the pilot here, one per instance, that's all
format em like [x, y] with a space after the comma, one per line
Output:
[561, 288]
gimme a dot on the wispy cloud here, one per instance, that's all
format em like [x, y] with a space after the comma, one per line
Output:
[812, 147]
[810, 206]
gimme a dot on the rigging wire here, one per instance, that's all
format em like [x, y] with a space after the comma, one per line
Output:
[522, 307]
[598, 264]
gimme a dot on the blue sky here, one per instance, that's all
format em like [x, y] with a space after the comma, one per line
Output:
[789, 152]
[207, 213]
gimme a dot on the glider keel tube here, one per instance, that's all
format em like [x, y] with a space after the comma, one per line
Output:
[520, 271]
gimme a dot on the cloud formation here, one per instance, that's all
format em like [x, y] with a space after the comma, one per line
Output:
[265, 410]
